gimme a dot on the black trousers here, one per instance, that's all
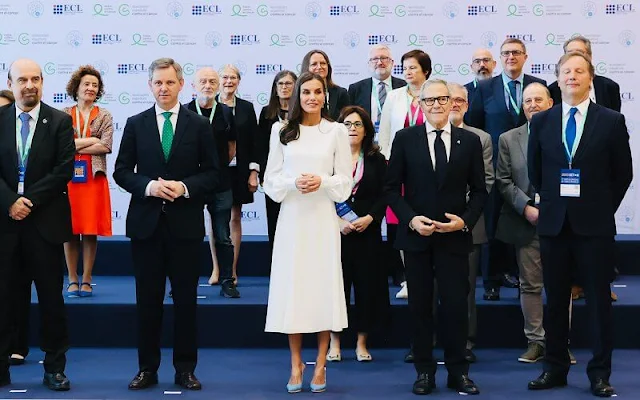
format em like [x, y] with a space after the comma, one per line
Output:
[273, 210]
[26, 256]
[21, 314]
[593, 259]
[451, 272]
[502, 256]
[154, 259]
[395, 267]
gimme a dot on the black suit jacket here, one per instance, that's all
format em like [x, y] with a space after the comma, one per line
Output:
[604, 159]
[488, 109]
[338, 98]
[49, 170]
[607, 93]
[410, 165]
[370, 198]
[360, 92]
[193, 160]
[264, 136]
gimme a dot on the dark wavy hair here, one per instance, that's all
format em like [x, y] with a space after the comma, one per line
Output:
[422, 58]
[368, 147]
[291, 130]
[76, 77]
[307, 60]
[273, 108]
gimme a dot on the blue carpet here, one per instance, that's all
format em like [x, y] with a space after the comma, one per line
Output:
[262, 374]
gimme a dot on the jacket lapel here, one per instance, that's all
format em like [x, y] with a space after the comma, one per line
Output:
[9, 122]
[454, 152]
[588, 130]
[181, 127]
[368, 89]
[498, 94]
[523, 140]
[41, 132]
[598, 86]
[423, 146]
[151, 129]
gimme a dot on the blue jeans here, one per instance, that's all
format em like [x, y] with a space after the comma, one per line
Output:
[219, 209]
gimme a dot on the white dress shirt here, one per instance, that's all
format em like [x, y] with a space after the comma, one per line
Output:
[431, 140]
[580, 120]
[374, 95]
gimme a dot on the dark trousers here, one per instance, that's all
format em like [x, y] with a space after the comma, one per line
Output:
[395, 266]
[451, 272]
[502, 256]
[592, 258]
[363, 269]
[154, 259]
[21, 314]
[273, 210]
[26, 257]
[219, 208]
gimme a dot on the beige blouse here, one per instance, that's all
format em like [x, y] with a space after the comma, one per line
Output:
[102, 128]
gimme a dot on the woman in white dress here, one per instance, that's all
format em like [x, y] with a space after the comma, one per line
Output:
[308, 171]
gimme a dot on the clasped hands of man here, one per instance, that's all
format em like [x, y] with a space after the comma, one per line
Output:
[20, 209]
[167, 190]
[426, 226]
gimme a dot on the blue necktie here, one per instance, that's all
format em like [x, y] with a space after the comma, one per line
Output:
[570, 131]
[24, 133]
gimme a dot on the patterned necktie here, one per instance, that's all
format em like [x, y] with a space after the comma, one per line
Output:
[570, 130]
[24, 133]
[441, 157]
[167, 134]
[382, 96]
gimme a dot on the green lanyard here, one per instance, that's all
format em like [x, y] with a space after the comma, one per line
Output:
[213, 110]
[24, 148]
[513, 103]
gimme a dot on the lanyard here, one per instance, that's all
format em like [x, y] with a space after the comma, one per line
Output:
[358, 171]
[374, 93]
[413, 117]
[213, 110]
[571, 153]
[475, 83]
[24, 148]
[82, 134]
[513, 103]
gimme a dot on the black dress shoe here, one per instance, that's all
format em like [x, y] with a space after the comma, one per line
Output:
[14, 361]
[510, 281]
[462, 384]
[143, 380]
[601, 388]
[491, 294]
[470, 356]
[424, 384]
[548, 380]
[228, 290]
[5, 379]
[56, 381]
[408, 358]
[188, 381]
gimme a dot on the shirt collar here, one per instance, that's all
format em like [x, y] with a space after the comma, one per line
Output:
[446, 128]
[387, 81]
[174, 110]
[582, 107]
[34, 113]
[506, 79]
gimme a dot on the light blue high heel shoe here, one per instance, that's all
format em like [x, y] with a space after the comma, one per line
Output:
[296, 387]
[319, 388]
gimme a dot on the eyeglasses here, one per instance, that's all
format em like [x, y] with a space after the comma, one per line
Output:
[356, 124]
[285, 84]
[379, 59]
[442, 100]
[458, 101]
[515, 53]
[229, 77]
[478, 61]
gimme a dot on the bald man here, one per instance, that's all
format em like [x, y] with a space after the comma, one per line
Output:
[482, 65]
[37, 215]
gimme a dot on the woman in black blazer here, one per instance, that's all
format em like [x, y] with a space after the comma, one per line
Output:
[361, 236]
[276, 110]
[317, 61]
[245, 157]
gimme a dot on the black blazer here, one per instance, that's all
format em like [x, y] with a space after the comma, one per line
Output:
[193, 160]
[604, 159]
[245, 124]
[370, 198]
[49, 170]
[488, 109]
[264, 135]
[410, 165]
[223, 133]
[607, 93]
[338, 99]
[360, 92]
[471, 89]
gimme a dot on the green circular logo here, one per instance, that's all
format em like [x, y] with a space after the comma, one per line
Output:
[262, 10]
[438, 39]
[50, 68]
[23, 39]
[163, 39]
[301, 39]
[463, 69]
[538, 10]
[262, 98]
[124, 10]
[188, 69]
[400, 11]
[124, 98]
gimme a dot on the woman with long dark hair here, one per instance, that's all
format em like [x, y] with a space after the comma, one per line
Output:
[317, 62]
[309, 170]
[276, 110]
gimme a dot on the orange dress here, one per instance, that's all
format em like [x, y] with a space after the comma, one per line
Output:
[90, 201]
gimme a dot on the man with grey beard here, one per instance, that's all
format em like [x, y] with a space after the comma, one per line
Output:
[482, 65]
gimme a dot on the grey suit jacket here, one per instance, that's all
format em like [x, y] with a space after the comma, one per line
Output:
[479, 231]
[513, 183]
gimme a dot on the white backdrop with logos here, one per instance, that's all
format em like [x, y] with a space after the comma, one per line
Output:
[262, 38]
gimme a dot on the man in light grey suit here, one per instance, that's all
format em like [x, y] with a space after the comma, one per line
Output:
[459, 106]
[519, 217]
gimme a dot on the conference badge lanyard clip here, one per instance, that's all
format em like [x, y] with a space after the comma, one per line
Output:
[23, 155]
[80, 166]
[343, 209]
[570, 178]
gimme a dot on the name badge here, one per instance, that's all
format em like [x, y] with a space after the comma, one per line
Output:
[233, 162]
[536, 200]
[345, 212]
[570, 183]
[79, 171]
[21, 173]
[376, 126]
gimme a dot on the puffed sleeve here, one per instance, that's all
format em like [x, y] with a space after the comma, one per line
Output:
[277, 183]
[338, 186]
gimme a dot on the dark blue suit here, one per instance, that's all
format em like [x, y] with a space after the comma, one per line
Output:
[579, 231]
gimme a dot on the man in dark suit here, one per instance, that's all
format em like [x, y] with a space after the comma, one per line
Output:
[482, 65]
[33, 192]
[496, 107]
[580, 163]
[168, 176]
[438, 165]
[370, 93]
[603, 91]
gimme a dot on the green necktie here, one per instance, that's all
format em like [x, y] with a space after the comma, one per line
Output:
[167, 134]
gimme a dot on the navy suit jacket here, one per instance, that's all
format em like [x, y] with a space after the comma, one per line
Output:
[604, 160]
[360, 92]
[471, 89]
[607, 93]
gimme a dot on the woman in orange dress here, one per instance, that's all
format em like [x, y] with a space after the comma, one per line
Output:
[89, 188]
